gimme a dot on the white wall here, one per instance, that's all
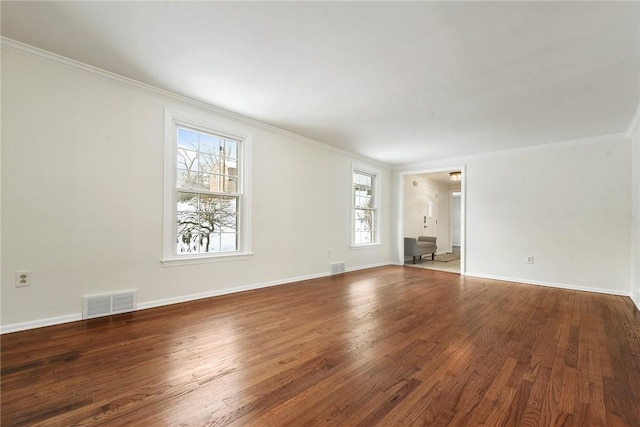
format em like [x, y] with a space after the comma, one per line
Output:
[82, 169]
[635, 214]
[568, 205]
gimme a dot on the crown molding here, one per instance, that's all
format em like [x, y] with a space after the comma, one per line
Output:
[89, 70]
[446, 162]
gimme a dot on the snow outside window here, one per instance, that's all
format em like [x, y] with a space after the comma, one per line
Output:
[365, 207]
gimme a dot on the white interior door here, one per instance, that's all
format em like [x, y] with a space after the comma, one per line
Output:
[430, 213]
[420, 213]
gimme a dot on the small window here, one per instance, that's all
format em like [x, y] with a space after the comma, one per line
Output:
[365, 207]
[205, 198]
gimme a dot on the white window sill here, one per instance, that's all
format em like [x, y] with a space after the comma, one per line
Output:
[199, 259]
[365, 246]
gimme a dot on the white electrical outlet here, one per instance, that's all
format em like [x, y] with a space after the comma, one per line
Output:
[328, 253]
[23, 279]
[530, 259]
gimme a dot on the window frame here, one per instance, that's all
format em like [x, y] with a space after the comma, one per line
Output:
[375, 174]
[206, 124]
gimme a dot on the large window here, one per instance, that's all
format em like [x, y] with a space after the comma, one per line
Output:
[205, 197]
[365, 207]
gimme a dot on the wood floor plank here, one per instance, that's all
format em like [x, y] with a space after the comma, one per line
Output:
[386, 346]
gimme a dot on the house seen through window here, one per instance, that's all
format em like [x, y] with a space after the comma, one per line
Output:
[364, 208]
[207, 192]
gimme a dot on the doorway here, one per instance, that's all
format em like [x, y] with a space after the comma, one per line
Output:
[432, 204]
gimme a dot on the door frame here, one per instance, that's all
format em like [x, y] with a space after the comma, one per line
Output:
[463, 209]
[451, 194]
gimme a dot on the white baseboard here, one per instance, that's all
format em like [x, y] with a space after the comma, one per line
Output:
[23, 326]
[550, 284]
[364, 267]
[225, 291]
[16, 327]
[636, 300]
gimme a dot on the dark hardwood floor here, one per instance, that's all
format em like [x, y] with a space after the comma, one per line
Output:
[394, 346]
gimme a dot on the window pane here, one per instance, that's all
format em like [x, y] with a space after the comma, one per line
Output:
[187, 139]
[201, 218]
[187, 244]
[363, 202]
[231, 149]
[214, 243]
[210, 213]
[363, 237]
[228, 214]
[188, 179]
[221, 183]
[188, 222]
[209, 144]
[187, 202]
[209, 163]
[195, 180]
[187, 160]
[228, 242]
[231, 184]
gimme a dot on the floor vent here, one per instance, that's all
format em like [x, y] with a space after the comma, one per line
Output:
[337, 267]
[107, 304]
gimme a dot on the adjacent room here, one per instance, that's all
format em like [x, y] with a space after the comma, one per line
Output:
[432, 218]
[320, 213]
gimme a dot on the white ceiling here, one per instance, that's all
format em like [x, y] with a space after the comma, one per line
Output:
[398, 82]
[441, 177]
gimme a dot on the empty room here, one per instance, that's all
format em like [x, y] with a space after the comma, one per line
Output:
[246, 213]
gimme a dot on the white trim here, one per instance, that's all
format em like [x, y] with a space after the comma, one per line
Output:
[437, 163]
[237, 289]
[365, 267]
[174, 117]
[451, 194]
[550, 284]
[365, 246]
[226, 291]
[33, 324]
[199, 259]
[89, 70]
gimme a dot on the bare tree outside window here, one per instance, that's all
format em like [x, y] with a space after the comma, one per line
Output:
[207, 198]
[364, 204]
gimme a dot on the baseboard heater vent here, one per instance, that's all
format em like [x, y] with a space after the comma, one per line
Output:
[108, 304]
[337, 267]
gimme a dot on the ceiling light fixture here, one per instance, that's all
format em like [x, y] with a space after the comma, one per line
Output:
[455, 176]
